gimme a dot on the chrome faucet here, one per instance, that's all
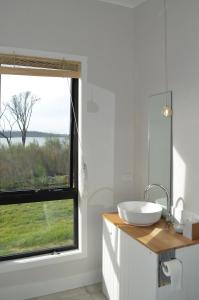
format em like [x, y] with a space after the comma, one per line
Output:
[149, 187]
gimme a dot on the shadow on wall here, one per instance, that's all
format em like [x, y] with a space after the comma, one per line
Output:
[98, 126]
[99, 146]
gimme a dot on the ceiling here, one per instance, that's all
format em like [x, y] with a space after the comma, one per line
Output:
[126, 3]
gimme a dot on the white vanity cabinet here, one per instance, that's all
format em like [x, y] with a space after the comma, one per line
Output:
[137, 270]
[130, 269]
[110, 261]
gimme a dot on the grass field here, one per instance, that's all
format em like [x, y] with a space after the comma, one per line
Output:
[35, 226]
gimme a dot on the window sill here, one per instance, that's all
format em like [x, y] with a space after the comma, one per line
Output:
[41, 260]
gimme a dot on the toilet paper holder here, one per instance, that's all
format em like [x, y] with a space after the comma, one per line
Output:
[165, 256]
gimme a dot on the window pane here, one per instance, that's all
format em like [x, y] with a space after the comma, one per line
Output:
[34, 132]
[36, 226]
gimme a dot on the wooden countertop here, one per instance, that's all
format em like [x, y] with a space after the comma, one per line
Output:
[158, 237]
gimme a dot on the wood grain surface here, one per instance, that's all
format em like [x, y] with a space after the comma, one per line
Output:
[158, 237]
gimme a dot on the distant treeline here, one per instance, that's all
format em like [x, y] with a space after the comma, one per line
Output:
[34, 166]
[16, 134]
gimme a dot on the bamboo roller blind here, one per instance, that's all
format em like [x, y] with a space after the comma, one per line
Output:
[38, 66]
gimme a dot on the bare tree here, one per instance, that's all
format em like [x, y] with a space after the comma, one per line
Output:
[6, 126]
[21, 107]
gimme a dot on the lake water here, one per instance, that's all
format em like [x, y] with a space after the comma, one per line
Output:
[29, 140]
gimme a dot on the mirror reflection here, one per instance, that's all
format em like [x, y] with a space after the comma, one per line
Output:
[160, 145]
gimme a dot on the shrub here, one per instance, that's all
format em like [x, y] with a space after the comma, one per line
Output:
[34, 165]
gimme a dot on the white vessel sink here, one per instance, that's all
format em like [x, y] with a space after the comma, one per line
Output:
[139, 213]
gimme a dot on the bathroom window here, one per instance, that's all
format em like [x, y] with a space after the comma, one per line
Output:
[38, 156]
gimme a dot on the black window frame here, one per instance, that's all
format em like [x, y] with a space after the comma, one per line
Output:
[52, 194]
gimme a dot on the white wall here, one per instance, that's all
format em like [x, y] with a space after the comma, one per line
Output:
[125, 49]
[183, 69]
[103, 34]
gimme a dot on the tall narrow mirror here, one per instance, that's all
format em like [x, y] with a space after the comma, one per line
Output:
[160, 145]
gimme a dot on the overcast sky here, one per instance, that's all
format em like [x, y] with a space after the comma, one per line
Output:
[52, 112]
